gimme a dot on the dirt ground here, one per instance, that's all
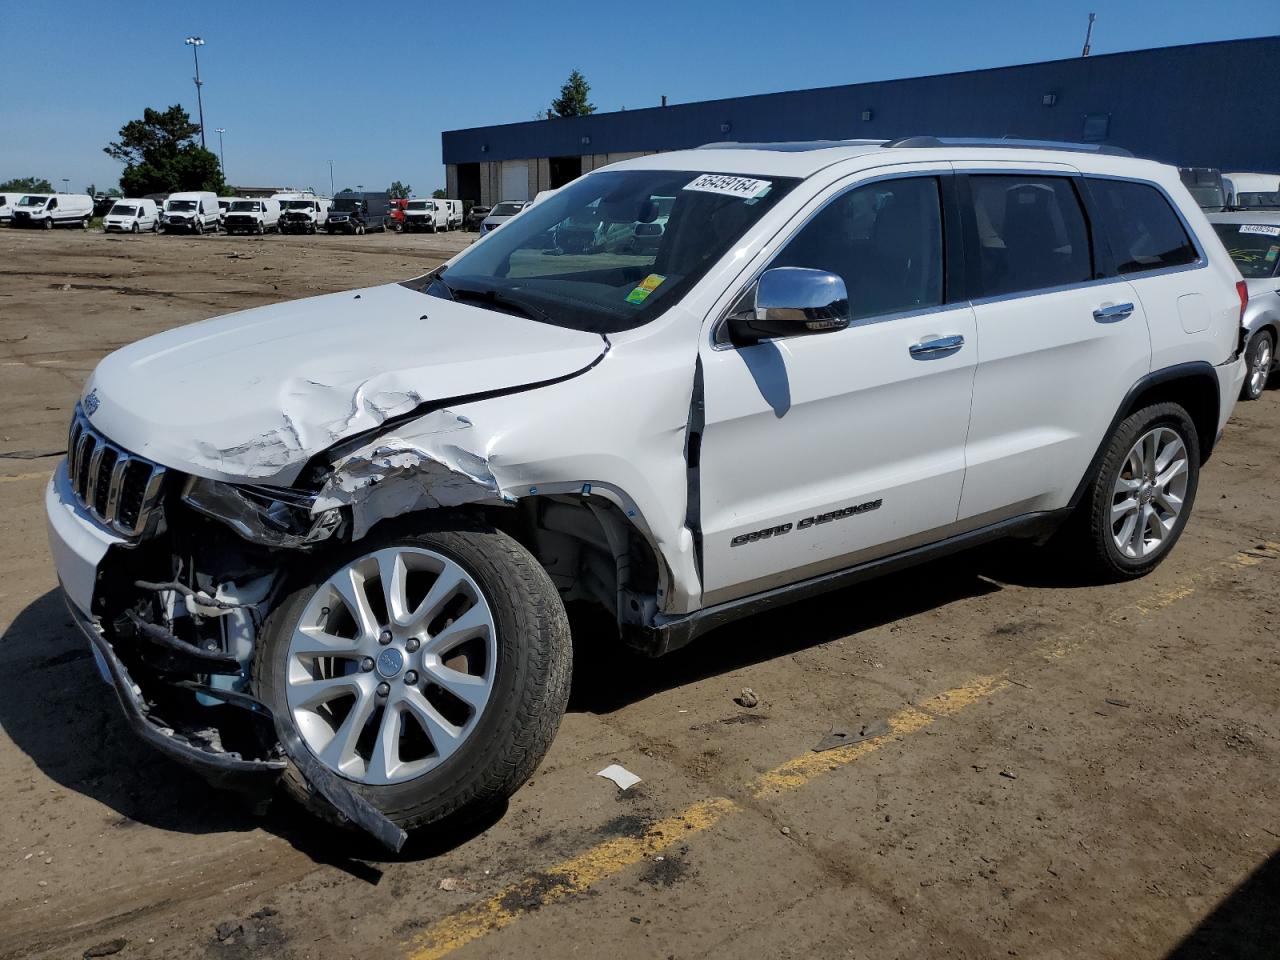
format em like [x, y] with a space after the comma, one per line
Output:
[1067, 772]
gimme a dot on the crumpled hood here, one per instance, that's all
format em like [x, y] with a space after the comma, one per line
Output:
[252, 396]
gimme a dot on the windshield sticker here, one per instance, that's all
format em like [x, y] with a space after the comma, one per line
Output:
[1260, 229]
[743, 187]
[1273, 253]
[646, 287]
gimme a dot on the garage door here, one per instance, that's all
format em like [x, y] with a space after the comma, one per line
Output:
[515, 180]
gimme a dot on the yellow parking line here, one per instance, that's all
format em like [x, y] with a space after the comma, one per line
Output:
[579, 873]
[574, 875]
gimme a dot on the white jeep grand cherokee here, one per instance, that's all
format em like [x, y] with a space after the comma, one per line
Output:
[330, 541]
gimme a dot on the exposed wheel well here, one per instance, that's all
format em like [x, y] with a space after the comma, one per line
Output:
[1195, 390]
[592, 552]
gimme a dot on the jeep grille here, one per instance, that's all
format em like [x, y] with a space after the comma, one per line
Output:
[120, 489]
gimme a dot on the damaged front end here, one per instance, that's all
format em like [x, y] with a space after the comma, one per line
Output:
[195, 566]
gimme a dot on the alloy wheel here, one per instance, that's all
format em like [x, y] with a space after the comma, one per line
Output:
[1260, 365]
[1148, 495]
[391, 665]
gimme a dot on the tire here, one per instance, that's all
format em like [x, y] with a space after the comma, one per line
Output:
[502, 743]
[1260, 355]
[260, 229]
[360, 230]
[1093, 535]
[199, 228]
[47, 224]
[136, 229]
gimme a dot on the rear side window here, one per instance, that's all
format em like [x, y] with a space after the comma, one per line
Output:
[1032, 233]
[1143, 230]
[884, 239]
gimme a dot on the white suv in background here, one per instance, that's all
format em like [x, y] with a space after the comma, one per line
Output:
[353, 521]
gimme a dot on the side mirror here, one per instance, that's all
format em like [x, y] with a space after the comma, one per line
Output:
[792, 302]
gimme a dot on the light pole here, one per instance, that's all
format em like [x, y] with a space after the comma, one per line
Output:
[66, 184]
[331, 178]
[222, 157]
[195, 43]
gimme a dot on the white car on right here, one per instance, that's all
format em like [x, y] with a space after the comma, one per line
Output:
[1252, 238]
[501, 213]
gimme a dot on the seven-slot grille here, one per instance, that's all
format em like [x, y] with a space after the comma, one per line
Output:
[120, 489]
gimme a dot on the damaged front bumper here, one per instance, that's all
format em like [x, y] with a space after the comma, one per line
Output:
[79, 545]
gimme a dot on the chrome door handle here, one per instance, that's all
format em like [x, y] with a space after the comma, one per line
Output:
[936, 346]
[1117, 311]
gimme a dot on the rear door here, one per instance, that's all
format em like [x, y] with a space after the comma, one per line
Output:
[1061, 339]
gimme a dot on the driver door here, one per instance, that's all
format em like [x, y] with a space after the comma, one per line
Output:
[823, 451]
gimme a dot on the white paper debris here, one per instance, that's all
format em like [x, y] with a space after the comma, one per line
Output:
[623, 777]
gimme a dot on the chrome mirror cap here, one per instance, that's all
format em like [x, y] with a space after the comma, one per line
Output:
[793, 301]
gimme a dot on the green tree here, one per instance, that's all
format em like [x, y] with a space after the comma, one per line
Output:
[573, 101]
[439, 193]
[399, 191]
[161, 155]
[27, 185]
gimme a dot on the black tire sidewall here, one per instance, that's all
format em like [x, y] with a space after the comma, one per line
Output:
[481, 769]
[1108, 555]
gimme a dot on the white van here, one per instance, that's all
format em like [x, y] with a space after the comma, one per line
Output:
[49, 210]
[128, 215]
[7, 201]
[194, 210]
[224, 204]
[253, 216]
[426, 214]
[304, 214]
[1252, 190]
[456, 213]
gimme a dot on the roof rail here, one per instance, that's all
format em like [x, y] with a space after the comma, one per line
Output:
[1012, 143]
[789, 146]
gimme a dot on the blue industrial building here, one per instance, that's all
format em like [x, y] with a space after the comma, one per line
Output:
[1194, 105]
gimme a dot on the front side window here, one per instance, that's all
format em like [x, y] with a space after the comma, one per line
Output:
[1144, 232]
[883, 239]
[1032, 234]
[590, 258]
[1255, 247]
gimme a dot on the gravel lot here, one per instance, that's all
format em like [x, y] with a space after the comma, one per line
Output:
[1069, 772]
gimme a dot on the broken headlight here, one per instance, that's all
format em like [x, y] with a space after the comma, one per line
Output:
[262, 515]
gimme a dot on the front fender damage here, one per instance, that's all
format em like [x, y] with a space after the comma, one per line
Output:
[429, 463]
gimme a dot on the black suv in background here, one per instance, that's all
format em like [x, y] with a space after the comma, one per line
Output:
[354, 212]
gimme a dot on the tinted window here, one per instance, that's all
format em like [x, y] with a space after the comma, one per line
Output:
[884, 239]
[1031, 233]
[1143, 230]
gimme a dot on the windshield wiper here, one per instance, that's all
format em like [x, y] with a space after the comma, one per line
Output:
[501, 298]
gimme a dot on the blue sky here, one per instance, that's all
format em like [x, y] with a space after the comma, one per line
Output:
[372, 85]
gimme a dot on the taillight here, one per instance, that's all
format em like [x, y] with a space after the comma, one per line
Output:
[1242, 289]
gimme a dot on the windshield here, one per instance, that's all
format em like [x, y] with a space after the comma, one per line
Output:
[506, 209]
[347, 204]
[1255, 247]
[417, 205]
[180, 205]
[595, 257]
[123, 210]
[298, 204]
[246, 206]
[33, 201]
[1209, 197]
[1258, 199]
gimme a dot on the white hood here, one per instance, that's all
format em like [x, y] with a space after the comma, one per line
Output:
[253, 395]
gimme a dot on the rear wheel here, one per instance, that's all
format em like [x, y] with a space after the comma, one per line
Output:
[1259, 356]
[1140, 499]
[427, 665]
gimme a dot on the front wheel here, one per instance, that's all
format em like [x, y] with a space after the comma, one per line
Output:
[48, 223]
[1259, 356]
[427, 665]
[135, 228]
[1140, 498]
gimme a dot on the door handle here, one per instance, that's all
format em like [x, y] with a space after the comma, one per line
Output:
[936, 346]
[1112, 313]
